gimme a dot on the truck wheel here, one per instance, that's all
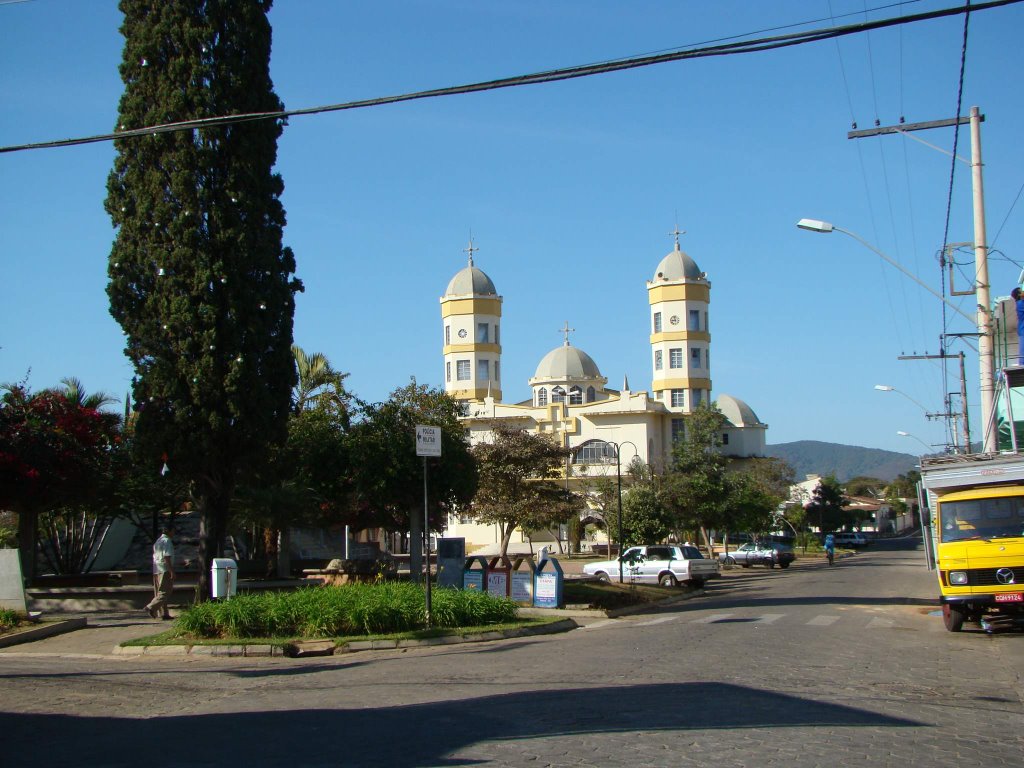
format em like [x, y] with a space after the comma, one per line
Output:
[730, 560]
[953, 617]
[783, 565]
[603, 577]
[667, 580]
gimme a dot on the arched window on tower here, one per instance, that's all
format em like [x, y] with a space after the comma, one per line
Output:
[591, 394]
[575, 396]
[594, 452]
[557, 395]
[542, 396]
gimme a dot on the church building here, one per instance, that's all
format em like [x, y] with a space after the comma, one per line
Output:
[568, 396]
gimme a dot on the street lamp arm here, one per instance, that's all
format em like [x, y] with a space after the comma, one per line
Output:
[814, 225]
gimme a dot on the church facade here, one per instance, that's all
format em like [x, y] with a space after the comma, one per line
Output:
[568, 396]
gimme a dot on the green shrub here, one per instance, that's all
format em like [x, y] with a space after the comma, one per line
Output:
[383, 608]
[9, 619]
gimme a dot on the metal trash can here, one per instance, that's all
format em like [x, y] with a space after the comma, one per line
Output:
[223, 577]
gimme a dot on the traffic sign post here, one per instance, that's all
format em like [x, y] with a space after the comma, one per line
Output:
[428, 443]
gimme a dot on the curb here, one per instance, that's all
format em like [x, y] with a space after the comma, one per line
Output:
[38, 632]
[248, 651]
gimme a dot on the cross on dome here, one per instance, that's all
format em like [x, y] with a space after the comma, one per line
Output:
[567, 330]
[471, 249]
[676, 233]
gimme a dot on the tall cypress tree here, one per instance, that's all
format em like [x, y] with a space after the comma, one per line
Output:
[199, 280]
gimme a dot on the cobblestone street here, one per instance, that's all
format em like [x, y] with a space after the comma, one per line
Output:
[804, 667]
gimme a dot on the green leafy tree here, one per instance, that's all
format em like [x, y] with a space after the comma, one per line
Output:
[825, 509]
[695, 486]
[198, 278]
[388, 475]
[864, 486]
[517, 486]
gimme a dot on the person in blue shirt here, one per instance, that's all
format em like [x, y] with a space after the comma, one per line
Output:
[1018, 299]
[830, 547]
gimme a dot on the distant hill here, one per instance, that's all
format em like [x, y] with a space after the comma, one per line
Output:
[844, 461]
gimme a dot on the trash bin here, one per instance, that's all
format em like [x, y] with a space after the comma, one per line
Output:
[223, 577]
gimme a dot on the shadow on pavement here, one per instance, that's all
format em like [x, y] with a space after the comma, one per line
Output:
[414, 735]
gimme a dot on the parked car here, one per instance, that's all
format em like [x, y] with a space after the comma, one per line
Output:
[770, 553]
[665, 564]
[852, 540]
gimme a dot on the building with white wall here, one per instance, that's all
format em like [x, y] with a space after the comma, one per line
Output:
[568, 396]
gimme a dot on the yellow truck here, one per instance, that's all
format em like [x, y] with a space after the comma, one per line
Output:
[976, 503]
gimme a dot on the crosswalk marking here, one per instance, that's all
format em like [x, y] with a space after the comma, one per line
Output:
[599, 624]
[768, 618]
[879, 622]
[823, 621]
[713, 618]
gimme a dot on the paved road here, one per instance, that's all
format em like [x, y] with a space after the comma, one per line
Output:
[803, 667]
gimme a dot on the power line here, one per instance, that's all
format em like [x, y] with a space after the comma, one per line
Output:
[549, 76]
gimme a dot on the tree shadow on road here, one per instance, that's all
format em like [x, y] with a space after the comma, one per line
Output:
[424, 734]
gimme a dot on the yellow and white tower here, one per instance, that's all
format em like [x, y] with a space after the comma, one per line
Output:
[471, 315]
[679, 296]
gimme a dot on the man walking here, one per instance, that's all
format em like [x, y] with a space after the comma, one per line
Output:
[163, 575]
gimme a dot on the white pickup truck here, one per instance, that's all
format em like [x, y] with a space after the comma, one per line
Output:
[665, 564]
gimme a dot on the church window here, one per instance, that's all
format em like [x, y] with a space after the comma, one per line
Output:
[542, 396]
[675, 358]
[575, 396]
[657, 322]
[591, 394]
[594, 452]
[697, 397]
[447, 334]
[678, 430]
[482, 333]
[448, 371]
[657, 360]
[483, 370]
[557, 395]
[694, 324]
[462, 370]
[678, 398]
[497, 369]
[695, 358]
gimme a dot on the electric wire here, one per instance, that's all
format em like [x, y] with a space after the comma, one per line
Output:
[547, 76]
[1007, 217]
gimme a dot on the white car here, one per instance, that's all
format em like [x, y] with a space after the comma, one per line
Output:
[665, 564]
[852, 540]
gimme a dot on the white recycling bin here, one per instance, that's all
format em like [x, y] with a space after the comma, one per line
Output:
[223, 577]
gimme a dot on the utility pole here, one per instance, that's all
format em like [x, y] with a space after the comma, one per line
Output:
[963, 396]
[986, 356]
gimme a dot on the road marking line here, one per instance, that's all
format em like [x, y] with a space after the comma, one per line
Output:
[599, 624]
[661, 620]
[713, 618]
[768, 618]
[823, 621]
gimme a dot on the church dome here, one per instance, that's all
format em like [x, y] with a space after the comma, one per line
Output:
[471, 280]
[567, 362]
[677, 266]
[737, 412]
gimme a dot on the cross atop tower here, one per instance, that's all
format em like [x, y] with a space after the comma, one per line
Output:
[676, 233]
[471, 249]
[567, 330]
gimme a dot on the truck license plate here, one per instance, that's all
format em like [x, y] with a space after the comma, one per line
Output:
[1010, 597]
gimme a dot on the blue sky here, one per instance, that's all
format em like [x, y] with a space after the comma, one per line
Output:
[570, 190]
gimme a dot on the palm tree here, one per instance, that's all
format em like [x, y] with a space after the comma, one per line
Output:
[75, 393]
[319, 385]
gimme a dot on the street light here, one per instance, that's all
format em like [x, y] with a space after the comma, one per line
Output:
[888, 388]
[981, 320]
[901, 433]
[618, 476]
